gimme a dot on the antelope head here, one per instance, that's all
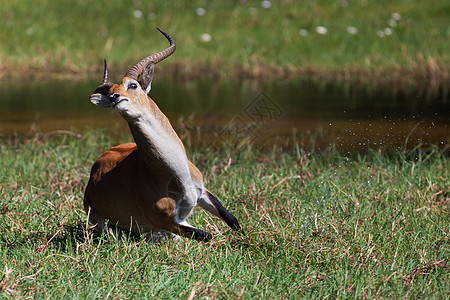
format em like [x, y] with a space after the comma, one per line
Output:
[129, 98]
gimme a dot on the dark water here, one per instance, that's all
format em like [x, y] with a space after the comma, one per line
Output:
[266, 113]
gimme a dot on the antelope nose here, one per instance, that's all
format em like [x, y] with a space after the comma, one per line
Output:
[114, 96]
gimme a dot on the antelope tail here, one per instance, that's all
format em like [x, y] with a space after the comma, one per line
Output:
[212, 205]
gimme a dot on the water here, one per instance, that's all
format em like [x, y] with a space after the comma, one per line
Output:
[267, 113]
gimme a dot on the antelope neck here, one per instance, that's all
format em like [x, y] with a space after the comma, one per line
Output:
[159, 145]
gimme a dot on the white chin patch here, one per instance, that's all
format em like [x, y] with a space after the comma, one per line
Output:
[119, 103]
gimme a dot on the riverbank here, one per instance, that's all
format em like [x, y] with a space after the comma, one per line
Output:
[429, 79]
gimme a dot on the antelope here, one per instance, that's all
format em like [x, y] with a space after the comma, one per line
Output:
[150, 185]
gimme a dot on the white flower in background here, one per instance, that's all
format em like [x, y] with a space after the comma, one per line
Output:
[344, 3]
[303, 32]
[352, 30]
[321, 30]
[396, 16]
[388, 31]
[151, 16]
[266, 4]
[392, 23]
[206, 37]
[252, 10]
[200, 11]
[380, 33]
[137, 14]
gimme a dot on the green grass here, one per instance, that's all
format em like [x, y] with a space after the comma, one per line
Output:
[74, 36]
[317, 224]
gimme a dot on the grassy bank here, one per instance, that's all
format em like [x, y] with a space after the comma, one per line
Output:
[403, 43]
[317, 224]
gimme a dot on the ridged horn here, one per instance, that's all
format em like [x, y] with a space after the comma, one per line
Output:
[105, 73]
[155, 58]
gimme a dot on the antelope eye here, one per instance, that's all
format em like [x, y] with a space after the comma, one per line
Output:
[132, 86]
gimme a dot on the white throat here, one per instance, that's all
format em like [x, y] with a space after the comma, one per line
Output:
[161, 147]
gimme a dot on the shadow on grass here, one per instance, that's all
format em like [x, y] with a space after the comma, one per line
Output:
[70, 236]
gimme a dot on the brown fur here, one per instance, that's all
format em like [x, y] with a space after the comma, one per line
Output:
[119, 175]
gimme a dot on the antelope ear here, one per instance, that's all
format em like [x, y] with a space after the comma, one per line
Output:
[99, 97]
[147, 77]
[103, 88]
[100, 100]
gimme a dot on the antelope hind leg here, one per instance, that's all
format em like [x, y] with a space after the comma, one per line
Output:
[186, 230]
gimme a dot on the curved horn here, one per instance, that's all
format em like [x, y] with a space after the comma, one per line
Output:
[105, 86]
[155, 58]
[105, 74]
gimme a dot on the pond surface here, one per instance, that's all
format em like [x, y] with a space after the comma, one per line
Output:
[266, 113]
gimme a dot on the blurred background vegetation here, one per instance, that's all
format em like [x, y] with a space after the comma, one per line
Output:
[358, 40]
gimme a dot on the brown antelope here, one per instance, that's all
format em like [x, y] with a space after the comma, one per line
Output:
[150, 185]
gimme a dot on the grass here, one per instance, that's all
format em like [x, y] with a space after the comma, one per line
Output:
[318, 224]
[71, 38]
